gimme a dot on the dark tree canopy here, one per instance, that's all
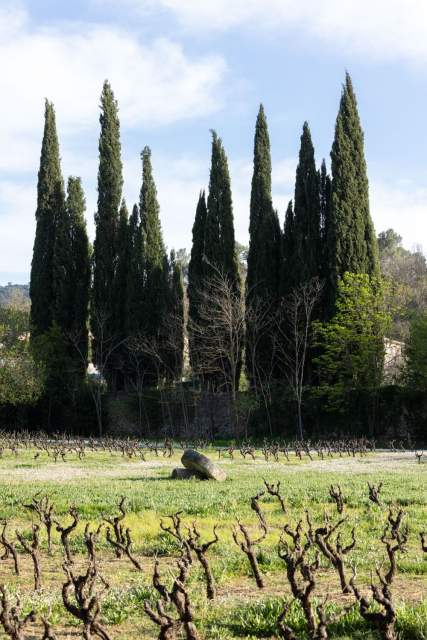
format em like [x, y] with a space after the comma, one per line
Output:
[352, 244]
[49, 215]
[110, 183]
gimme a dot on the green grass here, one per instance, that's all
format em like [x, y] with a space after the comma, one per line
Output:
[96, 483]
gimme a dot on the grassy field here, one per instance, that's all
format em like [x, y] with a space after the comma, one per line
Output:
[96, 483]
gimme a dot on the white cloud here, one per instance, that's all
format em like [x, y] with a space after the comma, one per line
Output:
[156, 83]
[383, 28]
[402, 208]
[17, 225]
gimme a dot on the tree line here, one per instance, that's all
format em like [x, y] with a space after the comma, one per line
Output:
[123, 302]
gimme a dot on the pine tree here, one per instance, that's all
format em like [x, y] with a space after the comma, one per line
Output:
[352, 244]
[196, 275]
[263, 274]
[50, 209]
[307, 242]
[110, 182]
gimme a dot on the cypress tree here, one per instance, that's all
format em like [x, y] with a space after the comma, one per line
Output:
[155, 292]
[325, 186]
[121, 272]
[50, 210]
[72, 278]
[135, 274]
[263, 275]
[120, 291]
[287, 281]
[175, 313]
[80, 279]
[110, 183]
[220, 246]
[195, 275]
[307, 242]
[352, 244]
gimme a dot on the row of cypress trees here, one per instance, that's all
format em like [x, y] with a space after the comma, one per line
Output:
[128, 283]
[327, 229]
[60, 271]
[137, 290]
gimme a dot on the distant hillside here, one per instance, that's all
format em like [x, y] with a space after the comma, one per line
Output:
[17, 295]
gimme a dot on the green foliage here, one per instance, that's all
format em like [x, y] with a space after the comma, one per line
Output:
[154, 294]
[72, 276]
[195, 275]
[288, 250]
[352, 244]
[49, 215]
[416, 353]
[407, 270]
[135, 274]
[264, 255]
[219, 244]
[351, 344]
[307, 247]
[110, 182]
[21, 379]
[174, 343]
[15, 295]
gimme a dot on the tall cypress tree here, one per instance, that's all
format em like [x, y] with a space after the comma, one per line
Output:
[135, 274]
[121, 273]
[325, 186]
[80, 279]
[120, 294]
[110, 183]
[352, 243]
[263, 275]
[50, 210]
[220, 246]
[72, 278]
[175, 313]
[307, 241]
[195, 276]
[287, 280]
[155, 292]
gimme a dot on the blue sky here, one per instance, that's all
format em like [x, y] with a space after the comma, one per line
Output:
[182, 67]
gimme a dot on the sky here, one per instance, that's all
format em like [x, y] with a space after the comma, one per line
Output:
[180, 68]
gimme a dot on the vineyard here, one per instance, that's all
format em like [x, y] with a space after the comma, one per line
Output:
[302, 541]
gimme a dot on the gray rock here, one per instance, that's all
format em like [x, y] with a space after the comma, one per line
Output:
[184, 474]
[199, 463]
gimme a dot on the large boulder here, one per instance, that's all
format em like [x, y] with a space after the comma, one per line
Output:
[199, 463]
[181, 473]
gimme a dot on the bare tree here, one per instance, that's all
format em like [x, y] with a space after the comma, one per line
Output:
[11, 618]
[220, 336]
[293, 334]
[104, 349]
[136, 372]
[260, 320]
